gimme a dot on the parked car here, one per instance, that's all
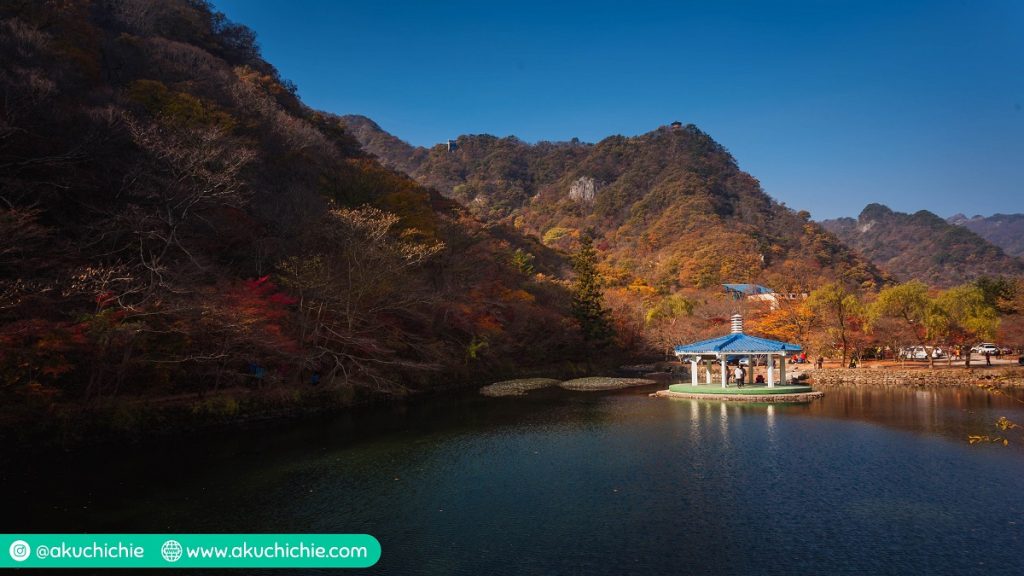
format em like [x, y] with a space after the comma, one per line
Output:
[920, 353]
[744, 361]
[986, 348]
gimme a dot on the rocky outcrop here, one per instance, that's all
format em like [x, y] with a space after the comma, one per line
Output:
[517, 387]
[583, 190]
[597, 384]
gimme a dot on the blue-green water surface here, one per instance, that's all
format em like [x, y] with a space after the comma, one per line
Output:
[864, 481]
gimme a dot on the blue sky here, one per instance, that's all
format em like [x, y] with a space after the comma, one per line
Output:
[830, 104]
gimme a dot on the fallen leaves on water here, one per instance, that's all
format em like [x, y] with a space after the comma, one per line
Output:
[1005, 424]
[1002, 424]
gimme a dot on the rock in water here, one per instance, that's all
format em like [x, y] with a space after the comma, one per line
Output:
[517, 387]
[600, 383]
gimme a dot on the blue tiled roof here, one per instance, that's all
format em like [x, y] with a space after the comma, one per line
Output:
[737, 344]
[748, 288]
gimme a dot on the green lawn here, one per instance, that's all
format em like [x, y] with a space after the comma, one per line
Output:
[753, 390]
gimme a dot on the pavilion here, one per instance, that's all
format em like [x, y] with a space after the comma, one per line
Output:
[736, 343]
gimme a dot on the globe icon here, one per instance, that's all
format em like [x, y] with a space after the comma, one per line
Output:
[171, 551]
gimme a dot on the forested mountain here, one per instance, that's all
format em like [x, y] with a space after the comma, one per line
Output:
[1003, 230]
[923, 246]
[670, 208]
[175, 220]
[390, 150]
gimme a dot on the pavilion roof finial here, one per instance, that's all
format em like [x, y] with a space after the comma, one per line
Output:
[737, 324]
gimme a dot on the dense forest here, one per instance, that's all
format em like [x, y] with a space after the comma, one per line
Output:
[670, 208]
[1003, 230]
[923, 246]
[177, 224]
[672, 216]
[182, 235]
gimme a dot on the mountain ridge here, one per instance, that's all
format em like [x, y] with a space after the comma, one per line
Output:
[923, 246]
[671, 207]
[1003, 230]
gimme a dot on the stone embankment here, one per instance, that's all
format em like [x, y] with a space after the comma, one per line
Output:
[761, 398]
[1009, 377]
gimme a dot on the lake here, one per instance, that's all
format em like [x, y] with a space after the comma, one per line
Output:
[864, 481]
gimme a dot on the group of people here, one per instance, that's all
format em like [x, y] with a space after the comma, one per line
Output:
[739, 373]
[740, 376]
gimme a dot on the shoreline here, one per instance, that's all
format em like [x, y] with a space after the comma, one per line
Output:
[71, 425]
[1009, 377]
[138, 420]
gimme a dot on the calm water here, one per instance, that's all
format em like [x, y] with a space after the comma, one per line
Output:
[861, 482]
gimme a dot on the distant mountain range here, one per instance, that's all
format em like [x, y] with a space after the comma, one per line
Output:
[669, 208]
[1003, 230]
[923, 246]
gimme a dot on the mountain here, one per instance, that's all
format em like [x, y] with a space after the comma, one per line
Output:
[670, 208]
[923, 246]
[176, 223]
[1003, 230]
[392, 151]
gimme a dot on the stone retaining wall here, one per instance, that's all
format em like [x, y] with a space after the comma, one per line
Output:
[1008, 377]
[797, 397]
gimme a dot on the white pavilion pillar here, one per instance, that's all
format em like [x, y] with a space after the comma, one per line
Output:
[693, 371]
[725, 377]
[707, 371]
[771, 371]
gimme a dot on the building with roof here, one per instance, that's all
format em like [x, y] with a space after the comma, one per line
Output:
[735, 344]
[758, 293]
[739, 291]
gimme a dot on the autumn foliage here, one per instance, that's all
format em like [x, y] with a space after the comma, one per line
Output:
[177, 223]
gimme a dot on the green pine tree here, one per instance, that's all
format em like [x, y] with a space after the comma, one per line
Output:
[587, 298]
[523, 261]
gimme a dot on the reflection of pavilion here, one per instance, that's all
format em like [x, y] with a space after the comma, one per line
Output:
[737, 346]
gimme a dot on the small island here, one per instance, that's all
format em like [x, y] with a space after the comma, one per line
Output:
[737, 347]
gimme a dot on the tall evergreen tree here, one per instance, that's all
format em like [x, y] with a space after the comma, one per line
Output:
[587, 298]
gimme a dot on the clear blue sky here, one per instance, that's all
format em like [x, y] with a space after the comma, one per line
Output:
[831, 104]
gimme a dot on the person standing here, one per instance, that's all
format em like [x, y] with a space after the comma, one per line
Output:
[988, 358]
[739, 374]
[820, 363]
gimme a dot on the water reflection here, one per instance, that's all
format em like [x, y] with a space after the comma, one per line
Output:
[695, 420]
[723, 420]
[952, 413]
[633, 484]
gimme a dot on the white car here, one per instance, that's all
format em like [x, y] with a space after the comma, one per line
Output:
[920, 353]
[986, 348]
